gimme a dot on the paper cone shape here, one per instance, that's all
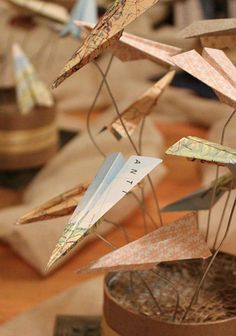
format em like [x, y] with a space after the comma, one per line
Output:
[105, 33]
[83, 10]
[177, 241]
[202, 198]
[31, 91]
[134, 114]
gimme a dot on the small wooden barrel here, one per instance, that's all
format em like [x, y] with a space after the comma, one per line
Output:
[26, 141]
[119, 321]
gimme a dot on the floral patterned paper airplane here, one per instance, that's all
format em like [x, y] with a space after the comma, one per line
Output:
[202, 198]
[220, 33]
[30, 90]
[105, 34]
[113, 181]
[179, 240]
[47, 9]
[132, 47]
[212, 68]
[199, 149]
[142, 107]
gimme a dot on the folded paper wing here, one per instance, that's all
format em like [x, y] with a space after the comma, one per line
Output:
[212, 69]
[132, 47]
[202, 198]
[179, 240]
[200, 149]
[135, 113]
[47, 9]
[105, 33]
[62, 205]
[219, 33]
[83, 10]
[30, 90]
[113, 181]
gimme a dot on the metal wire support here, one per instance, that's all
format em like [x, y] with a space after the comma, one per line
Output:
[217, 175]
[130, 139]
[201, 283]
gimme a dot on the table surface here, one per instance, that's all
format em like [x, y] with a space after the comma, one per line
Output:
[22, 288]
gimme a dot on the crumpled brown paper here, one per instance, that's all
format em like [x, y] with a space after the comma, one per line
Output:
[75, 164]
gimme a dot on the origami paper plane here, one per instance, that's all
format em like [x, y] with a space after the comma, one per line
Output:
[142, 107]
[107, 31]
[83, 10]
[212, 68]
[202, 198]
[112, 182]
[179, 240]
[200, 149]
[30, 90]
[220, 33]
[59, 206]
[131, 47]
[47, 9]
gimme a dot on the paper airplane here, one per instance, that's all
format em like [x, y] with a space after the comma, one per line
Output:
[141, 108]
[83, 10]
[62, 205]
[220, 33]
[179, 240]
[202, 198]
[200, 149]
[47, 9]
[212, 68]
[30, 90]
[113, 181]
[132, 47]
[107, 31]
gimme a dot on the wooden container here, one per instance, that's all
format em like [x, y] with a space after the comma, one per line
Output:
[26, 141]
[118, 320]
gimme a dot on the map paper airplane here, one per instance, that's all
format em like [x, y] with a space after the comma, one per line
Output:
[142, 107]
[132, 47]
[59, 206]
[200, 149]
[83, 10]
[47, 9]
[212, 68]
[114, 180]
[179, 240]
[220, 33]
[107, 31]
[202, 198]
[30, 90]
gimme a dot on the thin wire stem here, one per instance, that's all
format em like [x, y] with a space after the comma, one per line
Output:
[222, 216]
[130, 139]
[177, 305]
[149, 291]
[201, 283]
[89, 114]
[105, 240]
[217, 176]
[121, 228]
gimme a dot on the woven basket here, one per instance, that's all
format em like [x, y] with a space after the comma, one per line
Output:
[26, 141]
